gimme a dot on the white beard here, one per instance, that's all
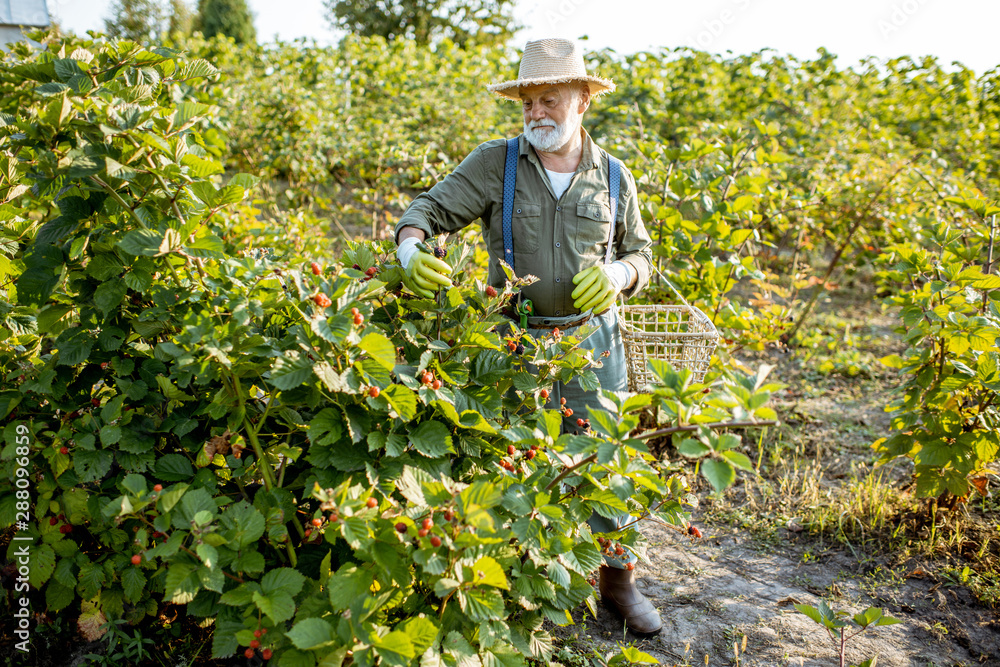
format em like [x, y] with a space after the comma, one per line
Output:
[552, 140]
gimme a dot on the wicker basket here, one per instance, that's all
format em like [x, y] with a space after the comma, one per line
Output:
[681, 335]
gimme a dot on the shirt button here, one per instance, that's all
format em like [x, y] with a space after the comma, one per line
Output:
[518, 210]
[558, 208]
[558, 245]
[558, 312]
[558, 280]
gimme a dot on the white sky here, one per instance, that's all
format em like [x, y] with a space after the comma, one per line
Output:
[962, 30]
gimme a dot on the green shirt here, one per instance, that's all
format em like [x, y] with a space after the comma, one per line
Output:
[554, 239]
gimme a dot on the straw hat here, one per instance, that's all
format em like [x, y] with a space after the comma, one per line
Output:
[551, 61]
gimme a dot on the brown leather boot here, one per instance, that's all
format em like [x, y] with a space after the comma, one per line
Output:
[618, 592]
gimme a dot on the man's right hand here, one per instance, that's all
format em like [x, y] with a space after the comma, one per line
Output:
[427, 274]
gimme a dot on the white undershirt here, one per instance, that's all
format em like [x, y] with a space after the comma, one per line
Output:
[560, 181]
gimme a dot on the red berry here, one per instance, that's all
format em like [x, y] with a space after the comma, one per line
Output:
[266, 654]
[355, 311]
[53, 521]
[428, 378]
[322, 300]
[157, 487]
[400, 527]
[308, 532]
[249, 653]
[257, 633]
[435, 541]
[356, 267]
[372, 503]
[510, 450]
[64, 450]
[358, 319]
[65, 528]
[491, 291]
[104, 365]
[448, 515]
[562, 401]
[568, 412]
[334, 518]
[96, 402]
[427, 524]
[618, 550]
[530, 454]
[579, 422]
[136, 559]
[371, 272]
[694, 531]
[315, 268]
[422, 532]
[373, 392]
[254, 643]
[263, 631]
[436, 385]
[629, 566]
[556, 332]
[317, 522]
[544, 393]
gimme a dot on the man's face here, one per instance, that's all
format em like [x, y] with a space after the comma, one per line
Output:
[552, 113]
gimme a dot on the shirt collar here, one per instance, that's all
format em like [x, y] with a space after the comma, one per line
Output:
[589, 160]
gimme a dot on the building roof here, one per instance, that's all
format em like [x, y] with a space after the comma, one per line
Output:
[31, 13]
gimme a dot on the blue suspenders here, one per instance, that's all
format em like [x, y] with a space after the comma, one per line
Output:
[510, 181]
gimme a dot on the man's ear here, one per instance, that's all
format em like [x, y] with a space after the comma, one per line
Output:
[584, 99]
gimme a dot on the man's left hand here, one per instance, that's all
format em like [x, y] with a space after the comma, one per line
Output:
[595, 290]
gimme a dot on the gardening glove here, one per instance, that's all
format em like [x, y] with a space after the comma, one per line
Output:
[597, 287]
[426, 273]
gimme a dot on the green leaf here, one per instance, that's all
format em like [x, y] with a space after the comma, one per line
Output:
[738, 459]
[109, 295]
[279, 606]
[402, 400]
[174, 468]
[481, 604]
[283, 579]
[311, 634]
[395, 648]
[720, 474]
[380, 349]
[144, 242]
[290, 370]
[811, 612]
[488, 572]
[432, 439]
[693, 448]
[133, 582]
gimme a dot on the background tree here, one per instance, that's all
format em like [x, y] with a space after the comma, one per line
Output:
[462, 21]
[135, 19]
[181, 18]
[228, 17]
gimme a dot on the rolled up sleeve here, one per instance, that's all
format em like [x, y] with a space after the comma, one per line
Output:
[634, 243]
[456, 201]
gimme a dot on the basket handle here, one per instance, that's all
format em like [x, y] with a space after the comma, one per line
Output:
[671, 286]
[622, 302]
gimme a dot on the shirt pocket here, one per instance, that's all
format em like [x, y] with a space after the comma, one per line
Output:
[592, 228]
[524, 225]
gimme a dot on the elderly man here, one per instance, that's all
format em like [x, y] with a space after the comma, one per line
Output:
[565, 197]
